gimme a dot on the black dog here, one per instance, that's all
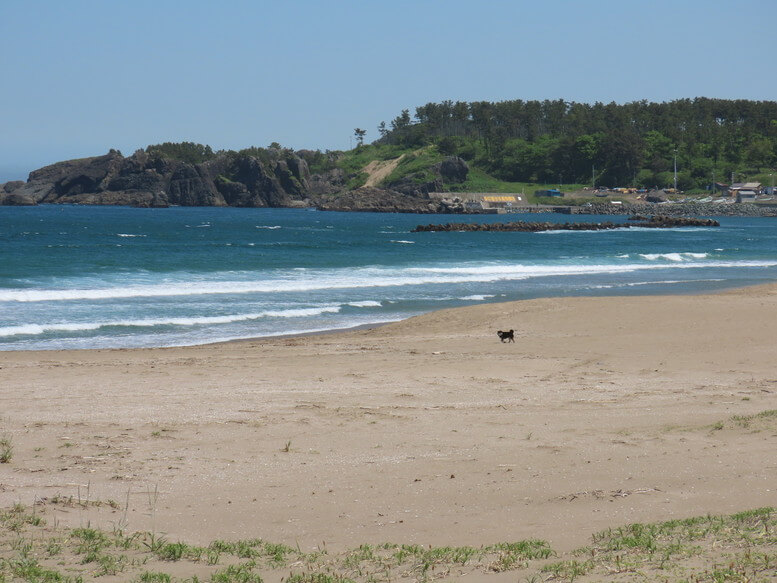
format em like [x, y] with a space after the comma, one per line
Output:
[506, 336]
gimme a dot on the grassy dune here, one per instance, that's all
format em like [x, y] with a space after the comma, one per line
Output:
[739, 547]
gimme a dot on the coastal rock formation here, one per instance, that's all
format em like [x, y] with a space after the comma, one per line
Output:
[656, 222]
[9, 187]
[13, 199]
[370, 199]
[278, 177]
[149, 179]
[453, 169]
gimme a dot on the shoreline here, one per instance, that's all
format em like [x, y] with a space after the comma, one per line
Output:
[424, 431]
[372, 325]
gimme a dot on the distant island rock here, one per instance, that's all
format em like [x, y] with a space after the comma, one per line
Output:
[655, 222]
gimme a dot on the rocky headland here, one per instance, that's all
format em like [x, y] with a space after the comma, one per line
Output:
[148, 180]
[275, 177]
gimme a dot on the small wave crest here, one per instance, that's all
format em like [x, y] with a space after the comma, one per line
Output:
[677, 257]
[37, 329]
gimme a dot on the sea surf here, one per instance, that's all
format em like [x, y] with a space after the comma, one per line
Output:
[75, 277]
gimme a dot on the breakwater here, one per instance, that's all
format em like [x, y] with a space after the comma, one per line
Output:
[656, 222]
[685, 209]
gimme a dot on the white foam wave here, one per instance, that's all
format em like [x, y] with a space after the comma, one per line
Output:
[365, 304]
[36, 329]
[664, 229]
[670, 281]
[269, 227]
[362, 279]
[576, 231]
[128, 235]
[687, 256]
[403, 242]
[478, 297]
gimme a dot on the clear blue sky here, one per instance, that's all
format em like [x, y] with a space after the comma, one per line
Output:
[79, 77]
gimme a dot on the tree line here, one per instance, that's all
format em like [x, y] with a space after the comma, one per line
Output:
[610, 144]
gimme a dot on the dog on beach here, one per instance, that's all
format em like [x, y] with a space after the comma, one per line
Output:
[506, 336]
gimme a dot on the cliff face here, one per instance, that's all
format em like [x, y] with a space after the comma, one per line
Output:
[152, 181]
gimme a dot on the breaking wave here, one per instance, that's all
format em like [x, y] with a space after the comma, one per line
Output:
[35, 329]
[341, 279]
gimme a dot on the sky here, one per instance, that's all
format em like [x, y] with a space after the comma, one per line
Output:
[80, 77]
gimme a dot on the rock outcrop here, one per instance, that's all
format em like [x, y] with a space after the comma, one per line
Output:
[13, 199]
[453, 169]
[9, 187]
[150, 180]
[370, 199]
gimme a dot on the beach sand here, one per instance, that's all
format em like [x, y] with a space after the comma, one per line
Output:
[604, 412]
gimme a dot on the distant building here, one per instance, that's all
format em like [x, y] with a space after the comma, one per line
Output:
[500, 200]
[737, 187]
[744, 195]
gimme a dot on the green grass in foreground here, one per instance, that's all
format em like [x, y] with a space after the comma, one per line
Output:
[741, 547]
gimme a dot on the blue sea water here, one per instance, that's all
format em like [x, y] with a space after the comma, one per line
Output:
[101, 277]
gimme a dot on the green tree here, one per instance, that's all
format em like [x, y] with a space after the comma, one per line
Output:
[658, 151]
[382, 130]
[359, 133]
[760, 153]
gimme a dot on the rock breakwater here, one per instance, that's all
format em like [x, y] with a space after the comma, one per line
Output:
[696, 209]
[655, 222]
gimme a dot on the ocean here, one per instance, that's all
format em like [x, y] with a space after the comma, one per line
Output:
[76, 277]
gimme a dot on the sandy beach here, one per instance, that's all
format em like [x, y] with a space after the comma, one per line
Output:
[604, 412]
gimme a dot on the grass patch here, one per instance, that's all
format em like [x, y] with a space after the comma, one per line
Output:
[6, 449]
[152, 577]
[756, 422]
[739, 547]
[417, 163]
[353, 161]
